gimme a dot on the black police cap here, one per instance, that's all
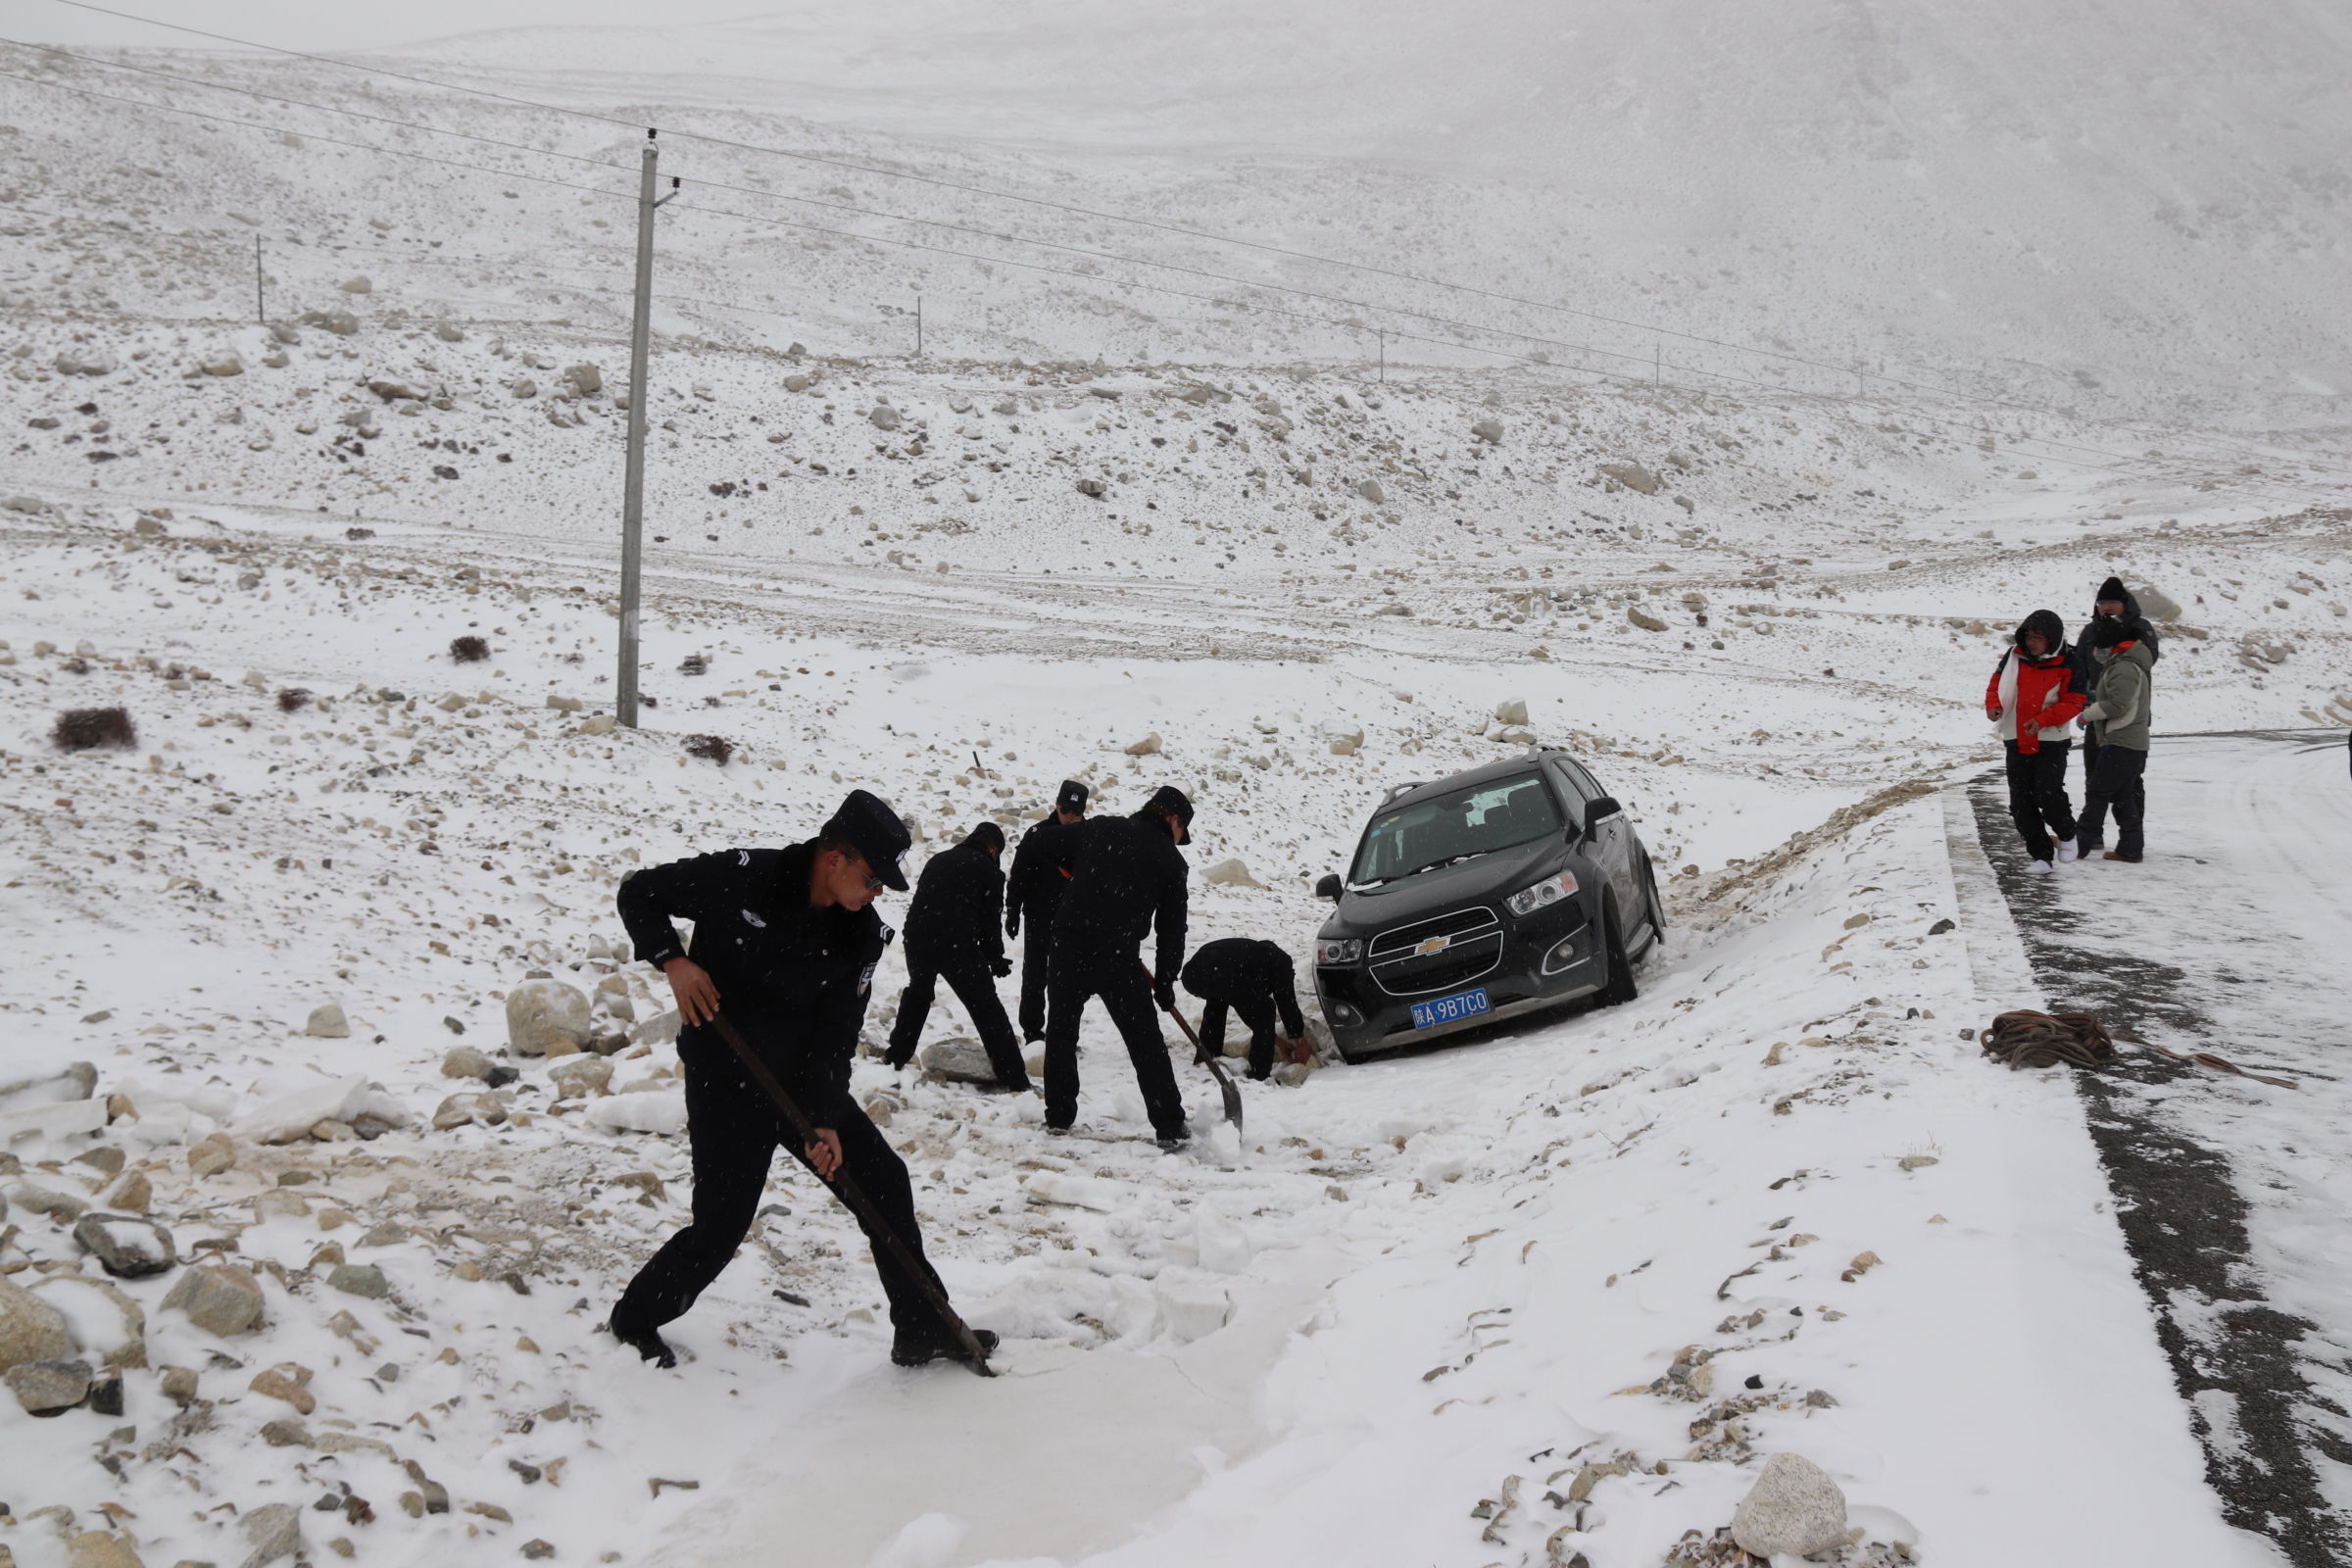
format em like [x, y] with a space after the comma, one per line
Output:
[867, 824]
[1072, 796]
[1169, 801]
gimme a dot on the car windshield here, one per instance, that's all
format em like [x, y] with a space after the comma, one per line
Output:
[1477, 819]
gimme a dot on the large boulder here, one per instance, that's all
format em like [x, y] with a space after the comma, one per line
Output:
[102, 1321]
[31, 1329]
[44, 1387]
[219, 1297]
[958, 1062]
[1632, 476]
[2156, 605]
[1795, 1509]
[547, 1018]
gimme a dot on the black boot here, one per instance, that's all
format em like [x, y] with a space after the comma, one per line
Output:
[649, 1343]
[919, 1347]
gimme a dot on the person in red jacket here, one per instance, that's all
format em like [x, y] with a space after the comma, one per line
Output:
[2032, 699]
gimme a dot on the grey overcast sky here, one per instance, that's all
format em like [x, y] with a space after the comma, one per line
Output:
[332, 24]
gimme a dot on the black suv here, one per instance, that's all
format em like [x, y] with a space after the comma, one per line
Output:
[1508, 889]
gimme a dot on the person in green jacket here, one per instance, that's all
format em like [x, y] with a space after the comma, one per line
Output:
[2117, 720]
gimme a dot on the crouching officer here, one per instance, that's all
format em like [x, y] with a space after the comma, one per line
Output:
[951, 932]
[1258, 981]
[786, 941]
[1126, 878]
[1039, 875]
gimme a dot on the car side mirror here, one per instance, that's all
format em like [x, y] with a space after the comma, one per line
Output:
[1600, 810]
[1329, 887]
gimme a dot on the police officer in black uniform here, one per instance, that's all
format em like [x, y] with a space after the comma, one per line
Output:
[1258, 981]
[1035, 892]
[951, 932]
[786, 941]
[1126, 877]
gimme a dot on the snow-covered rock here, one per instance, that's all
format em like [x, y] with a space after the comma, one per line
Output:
[31, 1328]
[344, 1100]
[547, 1018]
[660, 1111]
[1793, 1509]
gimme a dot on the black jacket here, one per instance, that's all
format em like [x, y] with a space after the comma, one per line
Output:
[792, 978]
[2086, 669]
[1234, 966]
[1126, 877]
[1034, 891]
[958, 899]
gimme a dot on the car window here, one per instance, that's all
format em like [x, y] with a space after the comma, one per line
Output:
[1477, 819]
[1586, 784]
[1570, 795]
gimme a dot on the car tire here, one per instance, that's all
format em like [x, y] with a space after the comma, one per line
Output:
[1620, 987]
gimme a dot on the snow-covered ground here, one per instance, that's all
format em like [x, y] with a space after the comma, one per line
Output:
[1552, 1291]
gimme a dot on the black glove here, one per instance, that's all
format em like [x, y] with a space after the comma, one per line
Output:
[1163, 991]
[1002, 967]
[1012, 922]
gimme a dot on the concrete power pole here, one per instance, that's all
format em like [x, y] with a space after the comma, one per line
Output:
[632, 506]
[261, 312]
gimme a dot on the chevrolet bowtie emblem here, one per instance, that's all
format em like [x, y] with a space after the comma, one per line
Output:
[1430, 945]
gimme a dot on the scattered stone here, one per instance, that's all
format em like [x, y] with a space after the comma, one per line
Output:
[219, 1297]
[327, 1022]
[275, 1530]
[1149, 746]
[105, 1157]
[460, 1110]
[132, 1193]
[1643, 619]
[958, 1061]
[537, 1549]
[586, 380]
[1632, 476]
[359, 1279]
[287, 1432]
[179, 1384]
[47, 1388]
[547, 1018]
[1371, 490]
[463, 1061]
[1488, 430]
[577, 1077]
[559, 703]
[106, 1394]
[1918, 1161]
[63, 1208]
[223, 365]
[128, 1246]
[1795, 1509]
[1232, 873]
[356, 285]
[100, 1548]
[2156, 605]
[1511, 711]
[211, 1155]
[272, 1383]
[1092, 487]
[882, 417]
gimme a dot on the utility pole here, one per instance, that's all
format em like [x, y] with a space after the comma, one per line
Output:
[918, 323]
[260, 313]
[1657, 364]
[632, 506]
[1384, 357]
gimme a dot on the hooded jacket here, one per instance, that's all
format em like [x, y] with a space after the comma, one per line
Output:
[2031, 701]
[2119, 716]
[958, 900]
[793, 978]
[2086, 669]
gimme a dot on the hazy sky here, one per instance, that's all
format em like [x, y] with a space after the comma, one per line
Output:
[337, 23]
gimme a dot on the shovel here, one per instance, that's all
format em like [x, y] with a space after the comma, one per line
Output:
[1226, 1086]
[975, 1353]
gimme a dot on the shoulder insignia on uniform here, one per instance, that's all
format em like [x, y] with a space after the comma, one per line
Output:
[751, 919]
[743, 857]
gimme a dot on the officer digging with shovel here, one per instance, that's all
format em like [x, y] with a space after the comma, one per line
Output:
[785, 940]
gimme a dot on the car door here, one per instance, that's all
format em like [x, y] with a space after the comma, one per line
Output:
[1613, 847]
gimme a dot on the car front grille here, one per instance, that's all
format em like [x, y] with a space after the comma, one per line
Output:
[1464, 961]
[1454, 923]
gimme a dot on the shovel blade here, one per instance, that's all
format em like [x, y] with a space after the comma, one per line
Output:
[1232, 1101]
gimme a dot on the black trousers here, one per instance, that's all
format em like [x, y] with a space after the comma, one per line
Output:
[2094, 837]
[736, 1130]
[1037, 969]
[2117, 783]
[1126, 993]
[2037, 802]
[1258, 1010]
[976, 989]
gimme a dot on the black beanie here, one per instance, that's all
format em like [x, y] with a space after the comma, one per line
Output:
[2112, 589]
[987, 836]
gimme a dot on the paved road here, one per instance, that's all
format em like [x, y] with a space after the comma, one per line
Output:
[2234, 937]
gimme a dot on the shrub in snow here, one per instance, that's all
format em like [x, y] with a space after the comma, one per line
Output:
[359, 533]
[83, 729]
[711, 748]
[694, 665]
[468, 650]
[293, 698]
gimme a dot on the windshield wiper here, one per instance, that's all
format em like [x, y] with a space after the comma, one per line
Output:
[1452, 860]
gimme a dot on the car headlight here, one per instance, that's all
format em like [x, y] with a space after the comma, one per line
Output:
[1345, 951]
[1551, 890]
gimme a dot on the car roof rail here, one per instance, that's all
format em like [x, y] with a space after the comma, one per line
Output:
[1406, 788]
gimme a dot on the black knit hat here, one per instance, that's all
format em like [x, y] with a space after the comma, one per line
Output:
[2112, 592]
[1169, 801]
[987, 836]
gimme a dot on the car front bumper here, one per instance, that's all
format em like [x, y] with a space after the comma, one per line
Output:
[1546, 960]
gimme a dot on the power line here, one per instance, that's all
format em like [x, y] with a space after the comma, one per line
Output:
[1076, 209]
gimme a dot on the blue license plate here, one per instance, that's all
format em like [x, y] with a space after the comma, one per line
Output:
[1449, 1010]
